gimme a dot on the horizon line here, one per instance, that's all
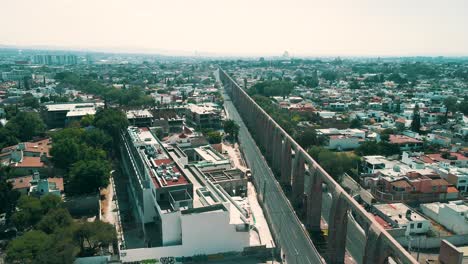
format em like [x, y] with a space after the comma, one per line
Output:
[207, 54]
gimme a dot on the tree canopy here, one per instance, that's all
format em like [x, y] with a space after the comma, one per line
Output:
[87, 176]
[112, 121]
[26, 125]
[8, 197]
[214, 137]
[272, 88]
[231, 128]
[336, 164]
[416, 123]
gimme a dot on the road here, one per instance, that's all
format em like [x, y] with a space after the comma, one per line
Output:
[294, 241]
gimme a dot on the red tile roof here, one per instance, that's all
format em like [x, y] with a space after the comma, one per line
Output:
[382, 222]
[21, 182]
[401, 139]
[29, 162]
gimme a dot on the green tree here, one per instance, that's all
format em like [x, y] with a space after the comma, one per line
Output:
[97, 138]
[231, 128]
[272, 88]
[7, 138]
[214, 137]
[373, 148]
[50, 201]
[87, 176]
[28, 247]
[336, 164]
[385, 134]
[330, 75]
[87, 120]
[65, 152]
[368, 148]
[463, 107]
[356, 123]
[55, 219]
[112, 121]
[8, 197]
[307, 138]
[63, 249]
[354, 84]
[416, 123]
[26, 125]
[30, 101]
[92, 236]
[451, 105]
[29, 212]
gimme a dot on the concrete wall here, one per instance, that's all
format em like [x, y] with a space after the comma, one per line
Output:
[211, 231]
[149, 203]
[343, 143]
[434, 242]
[171, 229]
[450, 254]
[203, 234]
[448, 218]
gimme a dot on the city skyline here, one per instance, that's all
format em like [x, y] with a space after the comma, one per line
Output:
[242, 28]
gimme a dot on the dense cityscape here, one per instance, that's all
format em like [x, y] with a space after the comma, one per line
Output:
[127, 158]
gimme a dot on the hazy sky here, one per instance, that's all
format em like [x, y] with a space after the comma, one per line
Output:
[242, 27]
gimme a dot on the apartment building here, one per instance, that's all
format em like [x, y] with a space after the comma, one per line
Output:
[177, 206]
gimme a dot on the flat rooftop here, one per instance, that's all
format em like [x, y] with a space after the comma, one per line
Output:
[163, 171]
[202, 109]
[397, 213]
[209, 154]
[71, 106]
[81, 112]
[225, 175]
[132, 114]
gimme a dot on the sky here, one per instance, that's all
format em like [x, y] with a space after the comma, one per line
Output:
[242, 27]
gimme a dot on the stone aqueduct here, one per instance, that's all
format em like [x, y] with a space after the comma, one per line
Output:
[306, 178]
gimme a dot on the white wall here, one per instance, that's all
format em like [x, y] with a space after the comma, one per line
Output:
[212, 231]
[149, 204]
[344, 143]
[415, 230]
[203, 233]
[171, 229]
[447, 217]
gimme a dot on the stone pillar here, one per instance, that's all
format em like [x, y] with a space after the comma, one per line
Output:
[375, 250]
[298, 178]
[258, 125]
[286, 161]
[269, 139]
[337, 225]
[314, 201]
[274, 148]
[278, 150]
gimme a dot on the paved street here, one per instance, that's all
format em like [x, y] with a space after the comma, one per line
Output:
[294, 240]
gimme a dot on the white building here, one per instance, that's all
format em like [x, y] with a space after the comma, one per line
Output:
[454, 175]
[342, 139]
[401, 216]
[176, 204]
[452, 215]
[208, 159]
[162, 98]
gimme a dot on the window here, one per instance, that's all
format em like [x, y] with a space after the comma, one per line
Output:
[411, 226]
[419, 225]
[462, 181]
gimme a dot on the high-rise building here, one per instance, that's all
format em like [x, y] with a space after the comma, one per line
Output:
[55, 59]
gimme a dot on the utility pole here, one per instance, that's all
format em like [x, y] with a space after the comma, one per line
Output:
[419, 248]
